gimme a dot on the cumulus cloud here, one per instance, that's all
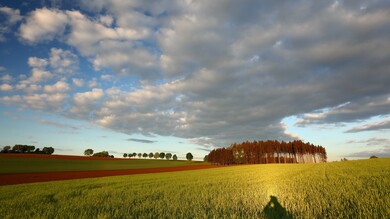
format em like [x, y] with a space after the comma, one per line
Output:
[86, 103]
[6, 78]
[63, 61]
[78, 82]
[218, 72]
[6, 87]
[46, 102]
[12, 16]
[42, 25]
[58, 87]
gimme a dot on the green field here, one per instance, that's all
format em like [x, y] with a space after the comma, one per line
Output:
[30, 165]
[353, 189]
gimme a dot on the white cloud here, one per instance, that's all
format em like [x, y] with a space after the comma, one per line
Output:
[12, 16]
[93, 83]
[78, 82]
[38, 75]
[90, 96]
[27, 87]
[16, 99]
[36, 62]
[43, 24]
[106, 77]
[6, 87]
[49, 102]
[6, 78]
[58, 87]
[63, 61]
[86, 103]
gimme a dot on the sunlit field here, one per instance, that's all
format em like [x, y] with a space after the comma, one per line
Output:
[353, 189]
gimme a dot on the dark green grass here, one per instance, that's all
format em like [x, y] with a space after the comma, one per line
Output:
[29, 165]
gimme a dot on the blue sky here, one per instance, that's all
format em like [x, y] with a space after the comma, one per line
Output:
[180, 76]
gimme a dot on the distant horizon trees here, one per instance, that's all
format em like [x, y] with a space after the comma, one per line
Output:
[102, 154]
[27, 149]
[151, 155]
[189, 156]
[88, 152]
[262, 152]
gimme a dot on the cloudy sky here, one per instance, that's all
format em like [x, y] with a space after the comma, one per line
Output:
[179, 76]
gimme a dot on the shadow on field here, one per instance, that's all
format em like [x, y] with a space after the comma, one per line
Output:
[275, 210]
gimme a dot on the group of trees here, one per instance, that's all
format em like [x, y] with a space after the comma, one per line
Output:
[162, 155]
[89, 152]
[260, 152]
[27, 149]
[151, 155]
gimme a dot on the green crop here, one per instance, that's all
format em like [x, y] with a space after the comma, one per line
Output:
[353, 189]
[28, 165]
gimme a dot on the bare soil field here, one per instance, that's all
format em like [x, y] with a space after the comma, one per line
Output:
[20, 178]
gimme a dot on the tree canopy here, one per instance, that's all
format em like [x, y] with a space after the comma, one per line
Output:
[189, 156]
[258, 152]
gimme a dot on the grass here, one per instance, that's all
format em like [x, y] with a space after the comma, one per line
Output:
[353, 189]
[29, 165]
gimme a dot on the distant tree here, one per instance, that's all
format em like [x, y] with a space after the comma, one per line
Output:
[130, 155]
[37, 151]
[206, 158]
[88, 152]
[151, 155]
[111, 156]
[6, 149]
[139, 155]
[48, 150]
[101, 154]
[344, 159]
[134, 154]
[124, 155]
[162, 155]
[144, 155]
[168, 156]
[373, 157]
[156, 155]
[189, 156]
[174, 157]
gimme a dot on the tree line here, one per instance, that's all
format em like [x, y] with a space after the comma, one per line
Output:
[162, 155]
[26, 149]
[263, 152]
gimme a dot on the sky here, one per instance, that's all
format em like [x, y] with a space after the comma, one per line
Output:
[190, 76]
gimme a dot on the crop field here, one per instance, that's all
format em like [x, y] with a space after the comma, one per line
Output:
[26, 164]
[353, 189]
